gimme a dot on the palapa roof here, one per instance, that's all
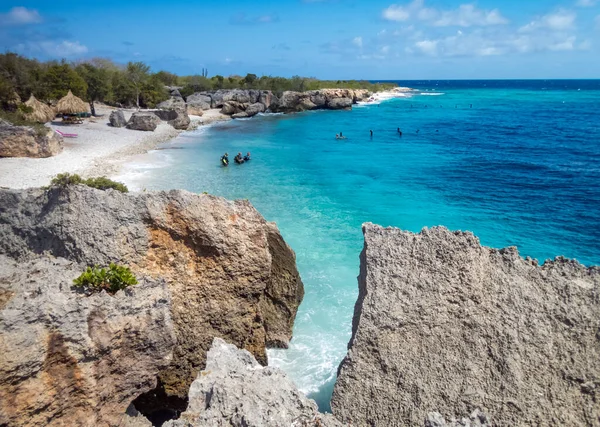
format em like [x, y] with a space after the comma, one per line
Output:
[70, 104]
[41, 112]
[14, 98]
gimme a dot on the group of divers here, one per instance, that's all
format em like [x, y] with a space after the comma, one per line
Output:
[341, 135]
[239, 159]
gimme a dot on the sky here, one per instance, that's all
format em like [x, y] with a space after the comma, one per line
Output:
[327, 39]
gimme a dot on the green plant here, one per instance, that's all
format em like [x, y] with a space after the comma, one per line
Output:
[113, 279]
[16, 118]
[101, 183]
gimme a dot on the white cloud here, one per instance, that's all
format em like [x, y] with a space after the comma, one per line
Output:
[357, 41]
[64, 49]
[467, 15]
[427, 47]
[20, 16]
[560, 21]
[586, 3]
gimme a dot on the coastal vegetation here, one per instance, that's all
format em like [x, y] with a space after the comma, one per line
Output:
[133, 84]
[101, 183]
[112, 280]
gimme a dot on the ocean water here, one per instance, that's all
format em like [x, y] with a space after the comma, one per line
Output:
[515, 162]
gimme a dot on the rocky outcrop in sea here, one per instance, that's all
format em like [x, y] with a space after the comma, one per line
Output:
[207, 266]
[443, 324]
[24, 141]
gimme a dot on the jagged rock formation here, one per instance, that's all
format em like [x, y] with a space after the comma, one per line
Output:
[173, 103]
[234, 390]
[178, 117]
[143, 121]
[444, 324]
[229, 272]
[477, 419]
[117, 119]
[247, 103]
[23, 141]
[71, 359]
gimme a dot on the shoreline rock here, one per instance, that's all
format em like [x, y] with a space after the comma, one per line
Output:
[228, 270]
[23, 141]
[444, 324]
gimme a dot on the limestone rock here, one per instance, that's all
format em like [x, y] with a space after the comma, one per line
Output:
[477, 419]
[254, 109]
[71, 359]
[173, 103]
[166, 115]
[198, 102]
[241, 115]
[143, 121]
[234, 390]
[340, 104]
[444, 324]
[117, 119]
[23, 141]
[182, 121]
[229, 271]
[233, 107]
[266, 98]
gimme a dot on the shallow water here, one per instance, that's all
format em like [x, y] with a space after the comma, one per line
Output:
[521, 166]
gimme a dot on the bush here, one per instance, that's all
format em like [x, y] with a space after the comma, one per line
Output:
[102, 183]
[95, 279]
[17, 119]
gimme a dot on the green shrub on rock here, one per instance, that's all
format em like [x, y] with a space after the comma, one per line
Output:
[113, 279]
[101, 183]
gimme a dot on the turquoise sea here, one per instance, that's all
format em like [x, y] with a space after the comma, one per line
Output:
[515, 162]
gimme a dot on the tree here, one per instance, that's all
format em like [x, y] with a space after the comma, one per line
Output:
[168, 79]
[137, 73]
[98, 83]
[59, 78]
[250, 79]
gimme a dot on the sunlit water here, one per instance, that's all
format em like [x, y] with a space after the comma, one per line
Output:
[517, 163]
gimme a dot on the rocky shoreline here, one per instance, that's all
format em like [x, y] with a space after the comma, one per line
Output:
[446, 332]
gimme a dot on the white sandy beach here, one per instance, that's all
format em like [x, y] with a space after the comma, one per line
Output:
[99, 149]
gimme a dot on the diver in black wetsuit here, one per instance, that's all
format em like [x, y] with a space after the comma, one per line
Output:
[239, 159]
[247, 156]
[225, 159]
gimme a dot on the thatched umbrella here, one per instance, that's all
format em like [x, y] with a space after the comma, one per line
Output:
[14, 99]
[70, 104]
[41, 112]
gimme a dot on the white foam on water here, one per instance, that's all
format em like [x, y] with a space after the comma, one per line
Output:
[432, 93]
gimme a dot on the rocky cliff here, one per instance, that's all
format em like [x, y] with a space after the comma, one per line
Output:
[234, 390]
[240, 103]
[228, 271]
[444, 324]
[23, 141]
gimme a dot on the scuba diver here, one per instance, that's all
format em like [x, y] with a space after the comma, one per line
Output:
[225, 159]
[239, 159]
[247, 156]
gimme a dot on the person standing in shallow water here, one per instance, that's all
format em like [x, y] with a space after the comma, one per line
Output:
[399, 132]
[371, 133]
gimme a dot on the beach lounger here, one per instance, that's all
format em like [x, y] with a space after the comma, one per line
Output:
[66, 135]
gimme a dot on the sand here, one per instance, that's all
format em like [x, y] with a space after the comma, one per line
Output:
[99, 150]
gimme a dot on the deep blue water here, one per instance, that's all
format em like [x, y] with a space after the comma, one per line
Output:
[516, 162]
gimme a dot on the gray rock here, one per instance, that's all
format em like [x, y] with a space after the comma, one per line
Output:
[234, 390]
[340, 104]
[229, 271]
[233, 107]
[166, 115]
[182, 121]
[198, 102]
[266, 98]
[117, 119]
[143, 121]
[241, 115]
[444, 324]
[173, 103]
[254, 109]
[66, 358]
[174, 92]
[477, 419]
[24, 141]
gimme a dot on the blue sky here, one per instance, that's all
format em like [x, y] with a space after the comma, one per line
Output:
[338, 39]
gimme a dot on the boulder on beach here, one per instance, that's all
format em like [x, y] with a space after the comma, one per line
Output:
[443, 324]
[339, 104]
[143, 121]
[240, 115]
[181, 121]
[197, 103]
[228, 273]
[24, 141]
[233, 107]
[235, 390]
[173, 103]
[254, 109]
[117, 119]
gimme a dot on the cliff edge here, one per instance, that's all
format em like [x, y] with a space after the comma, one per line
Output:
[444, 324]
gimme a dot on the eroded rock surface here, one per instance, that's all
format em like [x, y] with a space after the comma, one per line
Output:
[117, 119]
[67, 359]
[234, 390]
[144, 121]
[23, 141]
[444, 324]
[229, 272]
